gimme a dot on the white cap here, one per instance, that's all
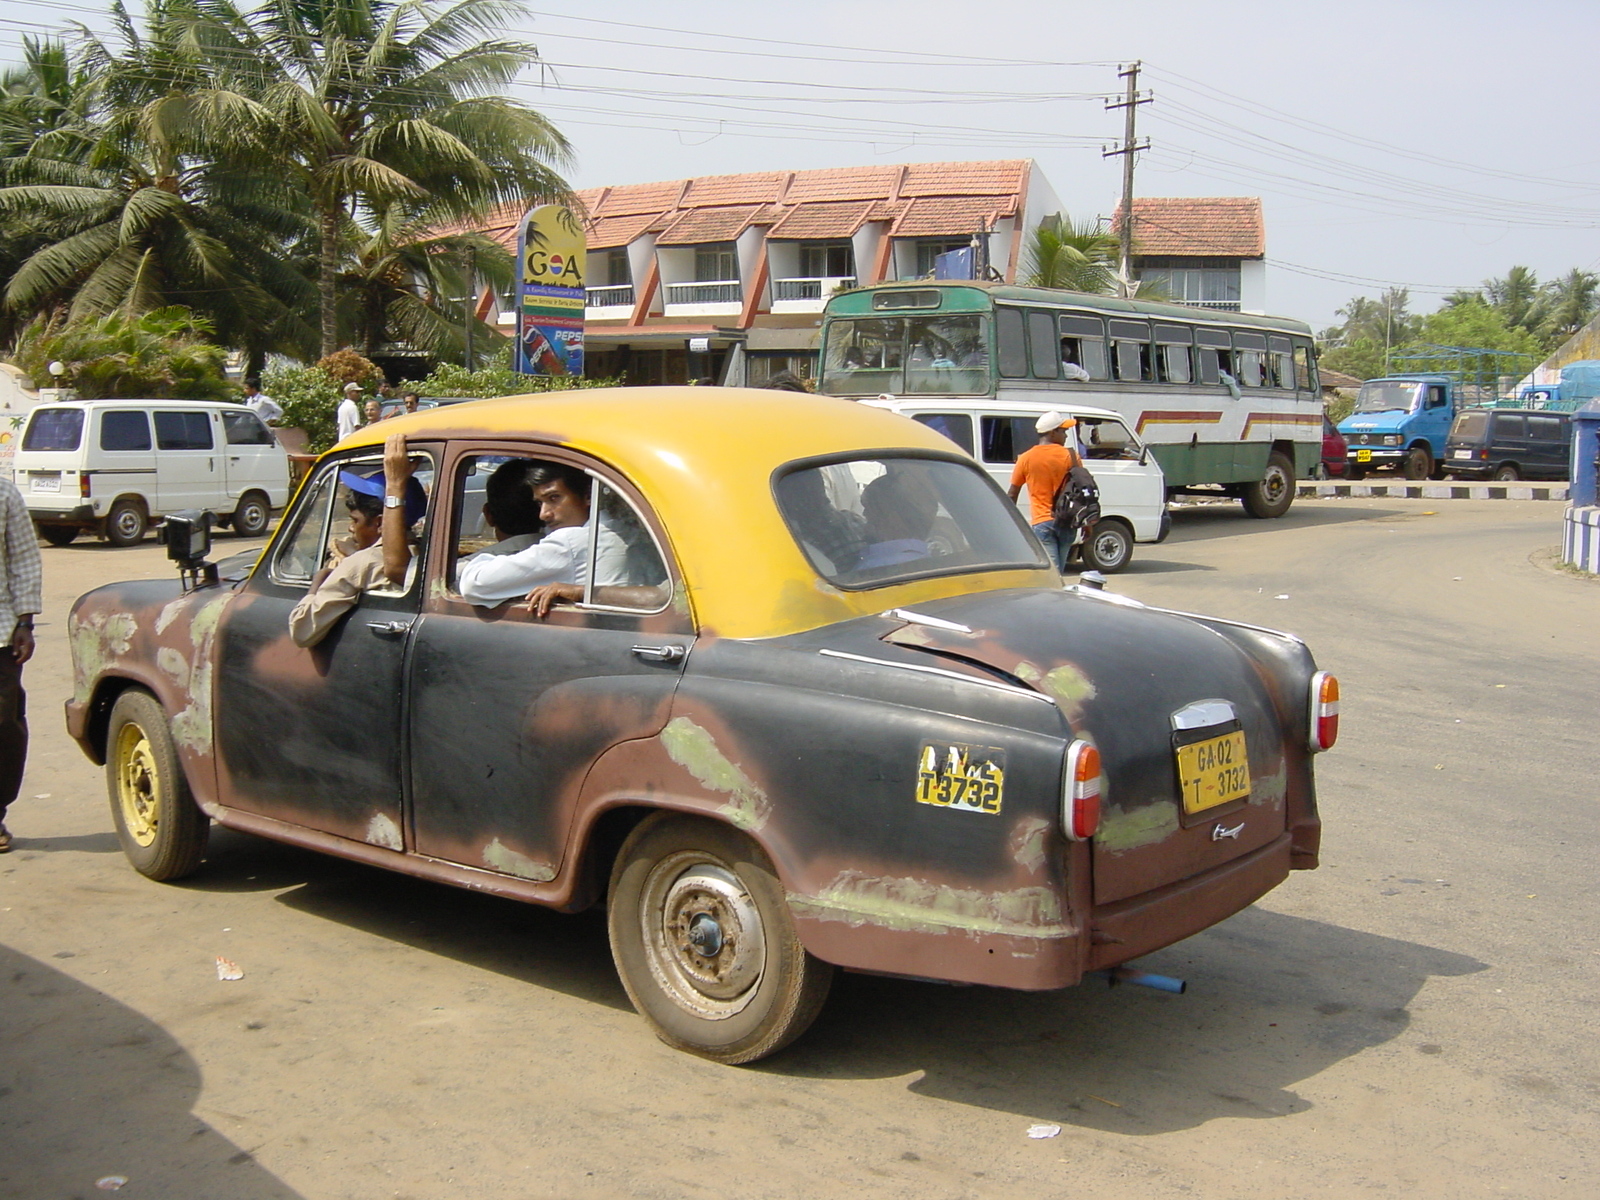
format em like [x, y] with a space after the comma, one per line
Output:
[1053, 420]
[352, 387]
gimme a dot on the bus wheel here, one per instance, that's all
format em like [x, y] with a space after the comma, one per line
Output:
[1274, 492]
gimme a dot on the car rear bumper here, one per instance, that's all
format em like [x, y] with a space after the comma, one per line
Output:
[63, 514]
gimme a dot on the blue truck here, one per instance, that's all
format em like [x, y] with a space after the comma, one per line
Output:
[1579, 383]
[1400, 423]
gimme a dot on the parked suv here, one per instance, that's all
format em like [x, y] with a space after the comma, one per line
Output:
[111, 466]
[1509, 443]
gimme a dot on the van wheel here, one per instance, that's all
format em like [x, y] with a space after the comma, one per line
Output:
[252, 516]
[58, 535]
[1418, 464]
[1272, 494]
[162, 830]
[1507, 473]
[126, 523]
[1109, 547]
[705, 944]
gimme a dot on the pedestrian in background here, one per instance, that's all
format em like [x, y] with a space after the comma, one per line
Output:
[258, 402]
[349, 410]
[1043, 469]
[21, 586]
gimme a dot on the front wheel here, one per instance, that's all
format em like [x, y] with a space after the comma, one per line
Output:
[252, 516]
[162, 830]
[705, 944]
[1274, 492]
[1418, 463]
[1108, 547]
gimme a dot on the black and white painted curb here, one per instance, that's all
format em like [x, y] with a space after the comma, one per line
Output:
[1437, 491]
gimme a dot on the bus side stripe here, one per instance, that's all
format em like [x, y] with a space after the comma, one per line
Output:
[1158, 417]
[1307, 419]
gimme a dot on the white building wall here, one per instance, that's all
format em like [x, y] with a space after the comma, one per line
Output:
[1253, 286]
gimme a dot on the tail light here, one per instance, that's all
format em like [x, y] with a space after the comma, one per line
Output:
[1324, 711]
[83, 486]
[1080, 793]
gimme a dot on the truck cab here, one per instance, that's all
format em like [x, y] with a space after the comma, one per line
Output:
[1400, 422]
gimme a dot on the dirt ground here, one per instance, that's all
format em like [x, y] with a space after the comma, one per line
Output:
[1409, 1020]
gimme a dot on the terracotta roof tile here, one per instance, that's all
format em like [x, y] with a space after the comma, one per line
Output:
[699, 225]
[763, 187]
[1198, 227]
[953, 216]
[609, 232]
[634, 198]
[841, 183]
[839, 220]
[1002, 178]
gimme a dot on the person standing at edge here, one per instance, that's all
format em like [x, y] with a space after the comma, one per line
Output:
[258, 402]
[1043, 469]
[21, 586]
[349, 411]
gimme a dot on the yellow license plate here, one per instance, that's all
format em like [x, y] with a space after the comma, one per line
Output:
[1213, 772]
[953, 775]
[1363, 455]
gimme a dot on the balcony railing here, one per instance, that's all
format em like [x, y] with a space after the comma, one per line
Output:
[725, 291]
[609, 297]
[1221, 305]
[818, 288]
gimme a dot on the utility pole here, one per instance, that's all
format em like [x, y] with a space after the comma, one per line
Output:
[472, 306]
[1130, 146]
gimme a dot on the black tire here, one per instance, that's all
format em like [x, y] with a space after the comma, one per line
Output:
[126, 523]
[162, 830]
[1108, 547]
[1271, 495]
[252, 516]
[1507, 473]
[1418, 463]
[1355, 471]
[758, 990]
[58, 535]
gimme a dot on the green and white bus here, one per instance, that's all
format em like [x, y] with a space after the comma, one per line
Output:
[1228, 402]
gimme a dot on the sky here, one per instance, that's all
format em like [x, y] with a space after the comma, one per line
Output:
[1410, 142]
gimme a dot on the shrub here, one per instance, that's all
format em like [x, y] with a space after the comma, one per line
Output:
[346, 366]
[497, 379]
[163, 354]
[310, 398]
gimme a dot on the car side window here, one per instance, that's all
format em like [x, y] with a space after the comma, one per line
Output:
[124, 429]
[183, 431]
[245, 429]
[318, 533]
[955, 426]
[1105, 438]
[304, 546]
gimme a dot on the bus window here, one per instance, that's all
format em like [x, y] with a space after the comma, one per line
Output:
[1130, 351]
[1173, 363]
[1213, 354]
[1083, 344]
[863, 358]
[1280, 363]
[1249, 359]
[1006, 437]
[955, 426]
[946, 355]
[1044, 351]
[1013, 349]
[1305, 368]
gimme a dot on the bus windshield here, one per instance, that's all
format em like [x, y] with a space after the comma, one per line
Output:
[932, 355]
[1386, 397]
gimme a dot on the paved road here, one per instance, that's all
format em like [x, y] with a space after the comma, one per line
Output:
[1413, 1019]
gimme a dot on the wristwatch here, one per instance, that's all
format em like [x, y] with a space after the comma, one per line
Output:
[393, 501]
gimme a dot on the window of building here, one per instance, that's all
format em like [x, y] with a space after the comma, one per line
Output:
[612, 270]
[929, 249]
[827, 260]
[716, 262]
[1199, 281]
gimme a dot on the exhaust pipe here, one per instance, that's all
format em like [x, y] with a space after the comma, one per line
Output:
[1161, 983]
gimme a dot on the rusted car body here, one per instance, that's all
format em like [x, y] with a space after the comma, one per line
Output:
[894, 763]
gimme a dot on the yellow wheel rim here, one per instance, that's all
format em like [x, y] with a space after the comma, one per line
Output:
[138, 785]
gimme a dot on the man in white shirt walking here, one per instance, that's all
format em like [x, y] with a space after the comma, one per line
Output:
[21, 586]
[258, 402]
[350, 410]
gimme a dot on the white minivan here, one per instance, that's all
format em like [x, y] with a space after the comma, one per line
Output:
[113, 465]
[1133, 492]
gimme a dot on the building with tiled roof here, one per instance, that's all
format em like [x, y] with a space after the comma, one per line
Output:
[743, 264]
[1208, 251]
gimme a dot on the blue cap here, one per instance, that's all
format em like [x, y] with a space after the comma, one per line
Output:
[372, 484]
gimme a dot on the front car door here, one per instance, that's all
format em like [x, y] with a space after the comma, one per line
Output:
[1131, 485]
[506, 711]
[314, 736]
[255, 461]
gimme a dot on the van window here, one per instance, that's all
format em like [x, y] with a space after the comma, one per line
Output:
[1509, 425]
[124, 430]
[183, 430]
[245, 429]
[54, 429]
[1107, 437]
[955, 426]
[1546, 429]
[1469, 426]
[1004, 438]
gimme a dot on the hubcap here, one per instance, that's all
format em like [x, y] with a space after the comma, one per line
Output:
[138, 779]
[1108, 548]
[703, 935]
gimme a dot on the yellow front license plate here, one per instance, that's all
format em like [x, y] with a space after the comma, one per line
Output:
[1363, 455]
[1213, 772]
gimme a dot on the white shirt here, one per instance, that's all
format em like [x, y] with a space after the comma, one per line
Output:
[561, 556]
[265, 407]
[349, 417]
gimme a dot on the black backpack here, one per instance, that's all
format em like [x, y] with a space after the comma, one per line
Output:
[1077, 502]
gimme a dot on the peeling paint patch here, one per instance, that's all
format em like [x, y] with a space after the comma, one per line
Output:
[97, 643]
[192, 726]
[1141, 826]
[1027, 671]
[510, 862]
[918, 906]
[169, 612]
[912, 635]
[694, 749]
[383, 831]
[1071, 688]
[1270, 789]
[1027, 842]
[173, 664]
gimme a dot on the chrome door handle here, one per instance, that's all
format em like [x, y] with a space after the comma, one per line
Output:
[661, 654]
[389, 628]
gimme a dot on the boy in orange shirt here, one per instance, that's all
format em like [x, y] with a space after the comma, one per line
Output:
[1043, 469]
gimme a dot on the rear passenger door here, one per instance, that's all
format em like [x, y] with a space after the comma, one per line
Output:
[507, 712]
[186, 460]
[1548, 446]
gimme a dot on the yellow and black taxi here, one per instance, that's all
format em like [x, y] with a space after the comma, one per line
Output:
[820, 703]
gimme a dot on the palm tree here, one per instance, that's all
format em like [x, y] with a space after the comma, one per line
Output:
[363, 104]
[1516, 295]
[1566, 305]
[1080, 258]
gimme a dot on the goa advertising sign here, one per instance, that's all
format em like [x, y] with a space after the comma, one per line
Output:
[550, 255]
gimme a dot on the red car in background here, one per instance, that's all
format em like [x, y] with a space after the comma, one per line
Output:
[1334, 450]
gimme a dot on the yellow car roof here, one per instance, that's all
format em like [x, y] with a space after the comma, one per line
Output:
[703, 458]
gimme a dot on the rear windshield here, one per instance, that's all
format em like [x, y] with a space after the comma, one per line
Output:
[1469, 426]
[54, 429]
[866, 522]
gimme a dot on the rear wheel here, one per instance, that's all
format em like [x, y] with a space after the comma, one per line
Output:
[1418, 463]
[1274, 492]
[705, 944]
[162, 830]
[58, 535]
[1507, 472]
[1108, 547]
[126, 523]
[252, 516]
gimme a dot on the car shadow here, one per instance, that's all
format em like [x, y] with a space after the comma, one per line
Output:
[92, 1089]
[1273, 1000]
[1204, 521]
[568, 952]
[104, 842]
